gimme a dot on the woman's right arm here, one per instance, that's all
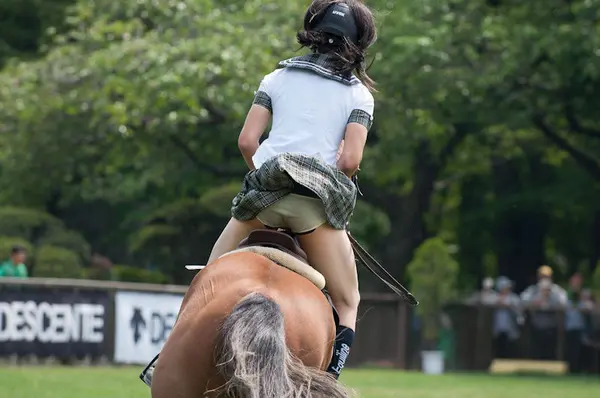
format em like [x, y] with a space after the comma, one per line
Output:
[355, 138]
[352, 152]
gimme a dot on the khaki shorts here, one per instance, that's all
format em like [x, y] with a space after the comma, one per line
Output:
[301, 214]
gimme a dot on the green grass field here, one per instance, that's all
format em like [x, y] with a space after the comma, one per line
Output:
[69, 382]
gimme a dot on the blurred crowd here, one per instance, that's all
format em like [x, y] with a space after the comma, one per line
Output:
[562, 323]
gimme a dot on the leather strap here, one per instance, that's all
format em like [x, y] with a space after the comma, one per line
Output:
[377, 269]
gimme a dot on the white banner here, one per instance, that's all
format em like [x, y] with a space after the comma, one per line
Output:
[143, 321]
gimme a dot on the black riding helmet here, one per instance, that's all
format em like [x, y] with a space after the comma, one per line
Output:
[337, 20]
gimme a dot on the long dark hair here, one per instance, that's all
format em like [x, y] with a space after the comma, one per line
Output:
[348, 56]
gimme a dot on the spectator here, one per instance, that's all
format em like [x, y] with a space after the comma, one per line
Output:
[544, 319]
[544, 273]
[577, 327]
[586, 301]
[487, 294]
[506, 319]
[575, 285]
[15, 265]
[590, 350]
[574, 329]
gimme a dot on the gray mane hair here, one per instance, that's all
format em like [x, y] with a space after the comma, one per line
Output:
[253, 358]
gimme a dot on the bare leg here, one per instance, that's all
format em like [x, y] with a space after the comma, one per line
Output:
[232, 235]
[330, 252]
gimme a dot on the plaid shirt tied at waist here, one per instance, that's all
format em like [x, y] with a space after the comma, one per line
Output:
[276, 178]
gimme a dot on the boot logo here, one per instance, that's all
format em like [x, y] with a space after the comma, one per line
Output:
[342, 354]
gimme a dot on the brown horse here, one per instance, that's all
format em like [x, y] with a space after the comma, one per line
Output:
[253, 324]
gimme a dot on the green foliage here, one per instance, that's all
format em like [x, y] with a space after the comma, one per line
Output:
[176, 234]
[218, 200]
[150, 235]
[433, 275]
[27, 25]
[99, 269]
[25, 222]
[134, 111]
[98, 274]
[496, 80]
[47, 240]
[57, 262]
[159, 88]
[70, 240]
[369, 223]
[125, 273]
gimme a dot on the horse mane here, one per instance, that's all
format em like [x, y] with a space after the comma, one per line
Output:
[253, 358]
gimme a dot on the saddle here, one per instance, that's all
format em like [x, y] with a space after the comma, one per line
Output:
[281, 240]
[281, 248]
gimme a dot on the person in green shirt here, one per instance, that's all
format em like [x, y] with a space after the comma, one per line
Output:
[15, 265]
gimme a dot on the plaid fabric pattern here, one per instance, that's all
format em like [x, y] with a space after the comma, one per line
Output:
[276, 178]
[361, 117]
[322, 64]
[261, 98]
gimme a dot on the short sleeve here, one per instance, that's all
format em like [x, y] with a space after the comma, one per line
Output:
[362, 112]
[264, 93]
[22, 271]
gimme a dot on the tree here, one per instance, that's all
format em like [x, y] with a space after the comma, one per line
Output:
[137, 105]
[463, 83]
[483, 125]
[54, 251]
[433, 274]
[27, 25]
[94, 128]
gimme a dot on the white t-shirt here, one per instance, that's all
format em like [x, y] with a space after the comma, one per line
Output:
[310, 113]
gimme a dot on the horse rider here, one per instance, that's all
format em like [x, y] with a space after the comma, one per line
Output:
[297, 179]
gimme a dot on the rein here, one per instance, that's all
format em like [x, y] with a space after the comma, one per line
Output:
[377, 269]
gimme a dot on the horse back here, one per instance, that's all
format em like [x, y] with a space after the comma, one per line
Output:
[187, 360]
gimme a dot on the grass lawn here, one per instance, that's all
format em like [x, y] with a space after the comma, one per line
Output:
[70, 382]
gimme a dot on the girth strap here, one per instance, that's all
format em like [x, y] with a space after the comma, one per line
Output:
[380, 272]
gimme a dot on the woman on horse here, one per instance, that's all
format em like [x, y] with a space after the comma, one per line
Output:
[297, 178]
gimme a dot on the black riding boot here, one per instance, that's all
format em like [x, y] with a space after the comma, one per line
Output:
[341, 350]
